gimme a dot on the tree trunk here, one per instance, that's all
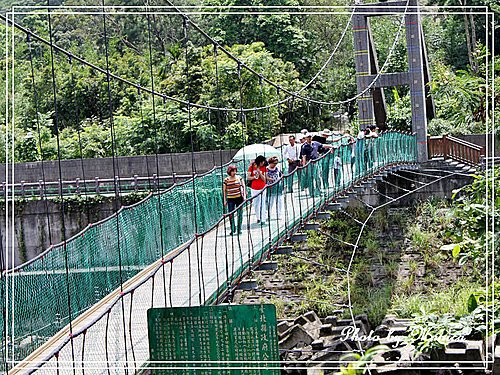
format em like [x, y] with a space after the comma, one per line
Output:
[473, 42]
[467, 36]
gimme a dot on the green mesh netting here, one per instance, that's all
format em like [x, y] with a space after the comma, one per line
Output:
[113, 250]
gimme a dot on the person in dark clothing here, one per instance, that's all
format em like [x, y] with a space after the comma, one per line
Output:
[311, 151]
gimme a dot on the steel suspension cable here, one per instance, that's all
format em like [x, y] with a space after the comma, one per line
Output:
[170, 149]
[220, 120]
[307, 100]
[61, 196]
[155, 130]
[80, 146]
[40, 145]
[141, 113]
[244, 135]
[115, 174]
[185, 26]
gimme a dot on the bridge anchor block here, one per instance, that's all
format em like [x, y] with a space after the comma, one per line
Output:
[284, 250]
[298, 237]
[311, 226]
[336, 206]
[247, 285]
[323, 216]
[267, 266]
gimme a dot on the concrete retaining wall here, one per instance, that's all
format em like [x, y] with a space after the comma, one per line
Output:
[31, 226]
[125, 166]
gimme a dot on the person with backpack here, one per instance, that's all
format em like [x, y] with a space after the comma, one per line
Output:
[234, 193]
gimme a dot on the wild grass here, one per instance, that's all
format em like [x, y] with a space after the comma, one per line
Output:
[374, 302]
[443, 301]
[381, 221]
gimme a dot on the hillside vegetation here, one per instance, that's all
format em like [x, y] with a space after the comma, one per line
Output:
[289, 49]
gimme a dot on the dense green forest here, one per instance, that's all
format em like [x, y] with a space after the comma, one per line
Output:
[89, 119]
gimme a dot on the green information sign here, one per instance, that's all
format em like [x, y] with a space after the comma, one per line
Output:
[227, 339]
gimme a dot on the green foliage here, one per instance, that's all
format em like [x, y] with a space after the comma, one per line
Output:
[459, 98]
[360, 362]
[434, 301]
[315, 241]
[380, 220]
[399, 113]
[288, 49]
[281, 32]
[372, 301]
[474, 215]
[461, 95]
[429, 332]
[422, 239]
[84, 122]
[320, 292]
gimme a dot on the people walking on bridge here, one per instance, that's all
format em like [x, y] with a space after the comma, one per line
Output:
[371, 142]
[257, 175]
[326, 162]
[360, 153]
[311, 151]
[337, 165]
[275, 190]
[374, 145]
[292, 156]
[368, 150]
[234, 194]
[300, 174]
[349, 154]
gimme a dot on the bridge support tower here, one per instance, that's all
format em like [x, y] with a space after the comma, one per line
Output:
[371, 103]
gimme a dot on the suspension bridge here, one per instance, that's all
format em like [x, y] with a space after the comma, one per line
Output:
[80, 306]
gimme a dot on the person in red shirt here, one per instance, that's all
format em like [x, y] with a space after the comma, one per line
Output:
[257, 175]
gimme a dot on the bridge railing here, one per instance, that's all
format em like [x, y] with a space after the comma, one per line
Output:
[170, 232]
[449, 147]
[42, 189]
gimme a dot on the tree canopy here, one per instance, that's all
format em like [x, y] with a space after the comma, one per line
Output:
[157, 51]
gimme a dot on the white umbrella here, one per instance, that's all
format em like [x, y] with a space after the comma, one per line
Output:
[250, 152]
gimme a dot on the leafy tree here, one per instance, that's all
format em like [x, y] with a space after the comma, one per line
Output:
[459, 97]
[222, 88]
[474, 218]
[399, 113]
[281, 33]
